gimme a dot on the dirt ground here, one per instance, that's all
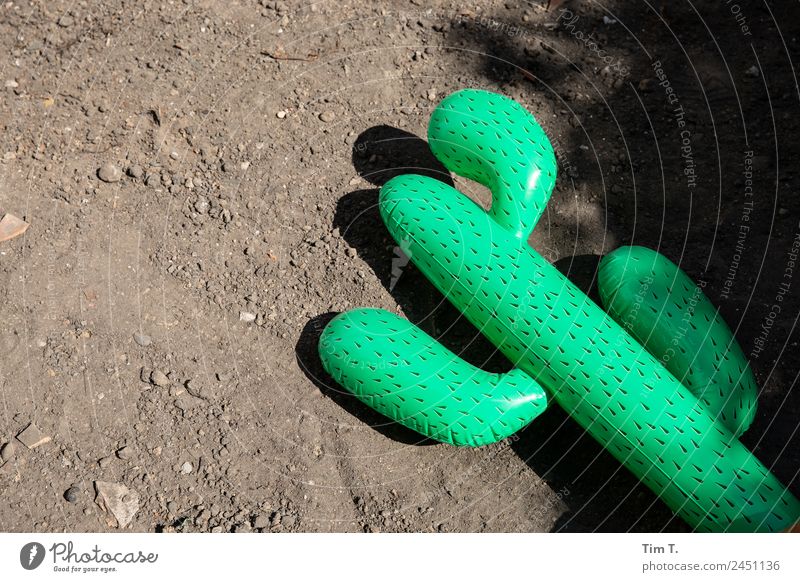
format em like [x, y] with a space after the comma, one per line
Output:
[201, 178]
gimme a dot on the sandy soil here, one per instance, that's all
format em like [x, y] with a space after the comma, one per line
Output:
[201, 179]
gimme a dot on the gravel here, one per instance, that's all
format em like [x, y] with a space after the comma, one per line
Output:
[32, 436]
[72, 494]
[125, 453]
[7, 452]
[135, 171]
[108, 172]
[159, 378]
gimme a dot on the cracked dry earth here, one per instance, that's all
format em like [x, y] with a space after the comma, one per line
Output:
[201, 177]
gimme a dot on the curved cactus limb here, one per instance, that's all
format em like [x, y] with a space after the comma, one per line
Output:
[671, 317]
[493, 140]
[396, 368]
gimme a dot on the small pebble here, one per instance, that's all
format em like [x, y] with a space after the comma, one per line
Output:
[261, 522]
[327, 116]
[142, 339]
[280, 114]
[72, 494]
[7, 452]
[198, 389]
[247, 317]
[109, 173]
[201, 206]
[32, 437]
[135, 171]
[186, 468]
[125, 453]
[752, 71]
[159, 378]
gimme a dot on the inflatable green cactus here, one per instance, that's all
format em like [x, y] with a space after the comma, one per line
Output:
[657, 377]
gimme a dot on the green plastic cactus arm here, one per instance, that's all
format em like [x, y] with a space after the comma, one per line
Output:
[669, 314]
[496, 142]
[399, 370]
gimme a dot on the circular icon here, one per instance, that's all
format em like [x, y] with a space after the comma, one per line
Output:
[31, 555]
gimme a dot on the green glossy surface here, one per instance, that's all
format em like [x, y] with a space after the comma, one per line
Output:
[402, 372]
[668, 313]
[675, 435]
